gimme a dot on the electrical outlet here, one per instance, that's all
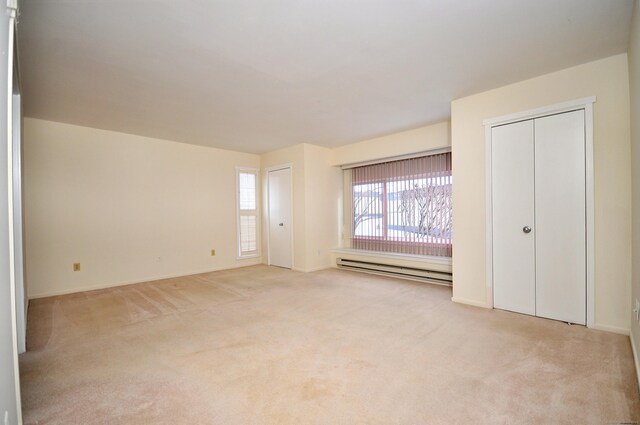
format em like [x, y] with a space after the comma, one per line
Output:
[6, 417]
[637, 310]
[76, 267]
[213, 252]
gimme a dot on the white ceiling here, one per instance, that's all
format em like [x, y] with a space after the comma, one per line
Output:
[255, 75]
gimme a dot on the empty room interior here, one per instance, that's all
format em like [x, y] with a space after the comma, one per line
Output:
[339, 212]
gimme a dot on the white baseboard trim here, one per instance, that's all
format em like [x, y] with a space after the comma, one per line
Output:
[635, 359]
[310, 270]
[132, 282]
[470, 302]
[614, 329]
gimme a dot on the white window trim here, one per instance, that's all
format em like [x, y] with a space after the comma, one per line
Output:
[256, 253]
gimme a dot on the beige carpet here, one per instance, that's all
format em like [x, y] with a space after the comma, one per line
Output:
[262, 345]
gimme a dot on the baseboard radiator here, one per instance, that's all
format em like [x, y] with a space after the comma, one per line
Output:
[413, 273]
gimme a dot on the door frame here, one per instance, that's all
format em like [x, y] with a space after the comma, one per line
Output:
[268, 215]
[585, 104]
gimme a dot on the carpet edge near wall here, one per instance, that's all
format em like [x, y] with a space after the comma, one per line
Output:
[635, 360]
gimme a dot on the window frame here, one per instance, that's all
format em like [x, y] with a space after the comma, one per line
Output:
[381, 244]
[241, 255]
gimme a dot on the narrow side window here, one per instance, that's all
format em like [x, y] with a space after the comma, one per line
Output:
[247, 180]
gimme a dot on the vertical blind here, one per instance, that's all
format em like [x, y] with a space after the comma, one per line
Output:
[403, 206]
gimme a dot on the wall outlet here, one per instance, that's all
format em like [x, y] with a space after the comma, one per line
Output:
[6, 417]
[76, 267]
[213, 252]
[637, 310]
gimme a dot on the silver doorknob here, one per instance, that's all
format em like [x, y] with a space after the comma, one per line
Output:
[281, 224]
[526, 229]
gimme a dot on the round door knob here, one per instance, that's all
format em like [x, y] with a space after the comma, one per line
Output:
[526, 229]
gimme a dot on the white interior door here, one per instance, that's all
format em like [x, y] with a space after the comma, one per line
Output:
[560, 217]
[512, 177]
[280, 222]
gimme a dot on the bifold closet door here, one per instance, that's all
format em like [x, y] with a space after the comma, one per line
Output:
[512, 177]
[560, 226]
[539, 221]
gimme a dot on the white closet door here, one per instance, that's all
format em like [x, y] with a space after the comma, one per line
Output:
[280, 222]
[512, 179]
[560, 217]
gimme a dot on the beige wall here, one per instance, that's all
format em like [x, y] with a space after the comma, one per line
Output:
[323, 184]
[608, 80]
[406, 142]
[634, 83]
[127, 208]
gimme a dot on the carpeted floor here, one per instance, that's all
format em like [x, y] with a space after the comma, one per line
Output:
[263, 345]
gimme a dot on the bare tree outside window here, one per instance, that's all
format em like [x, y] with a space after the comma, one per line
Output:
[404, 206]
[426, 210]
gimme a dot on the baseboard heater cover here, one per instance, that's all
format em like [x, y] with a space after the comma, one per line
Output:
[433, 276]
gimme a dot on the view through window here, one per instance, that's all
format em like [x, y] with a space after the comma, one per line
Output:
[403, 206]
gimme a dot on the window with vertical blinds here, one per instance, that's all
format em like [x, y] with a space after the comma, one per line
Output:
[403, 206]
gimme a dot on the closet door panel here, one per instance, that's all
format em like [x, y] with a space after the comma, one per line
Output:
[513, 209]
[560, 226]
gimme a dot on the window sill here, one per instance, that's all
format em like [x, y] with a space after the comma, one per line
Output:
[390, 255]
[247, 257]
